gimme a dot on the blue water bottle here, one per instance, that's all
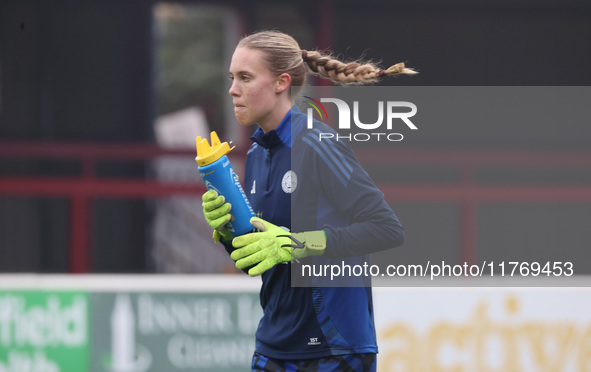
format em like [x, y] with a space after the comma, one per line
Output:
[218, 175]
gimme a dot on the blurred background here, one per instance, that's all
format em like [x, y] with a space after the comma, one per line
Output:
[100, 103]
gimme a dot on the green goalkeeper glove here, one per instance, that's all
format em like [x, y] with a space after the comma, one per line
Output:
[217, 214]
[274, 245]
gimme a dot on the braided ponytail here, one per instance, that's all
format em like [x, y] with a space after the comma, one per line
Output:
[349, 73]
[282, 54]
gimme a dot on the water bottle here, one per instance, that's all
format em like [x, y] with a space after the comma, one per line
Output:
[218, 174]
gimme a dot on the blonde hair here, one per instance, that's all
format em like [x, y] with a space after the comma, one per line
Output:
[282, 54]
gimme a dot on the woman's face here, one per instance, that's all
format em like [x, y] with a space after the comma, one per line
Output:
[254, 88]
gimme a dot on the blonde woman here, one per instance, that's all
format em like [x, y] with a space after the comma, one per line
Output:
[289, 172]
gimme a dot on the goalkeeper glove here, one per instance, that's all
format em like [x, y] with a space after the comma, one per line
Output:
[274, 245]
[217, 214]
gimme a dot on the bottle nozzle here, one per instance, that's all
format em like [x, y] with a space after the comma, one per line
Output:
[215, 140]
[207, 154]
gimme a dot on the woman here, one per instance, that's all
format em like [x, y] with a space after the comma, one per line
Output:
[316, 189]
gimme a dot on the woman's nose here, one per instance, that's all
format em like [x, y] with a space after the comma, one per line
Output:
[234, 91]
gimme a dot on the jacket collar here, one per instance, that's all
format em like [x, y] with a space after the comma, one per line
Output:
[278, 136]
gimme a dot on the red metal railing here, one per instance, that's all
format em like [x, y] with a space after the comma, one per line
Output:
[82, 189]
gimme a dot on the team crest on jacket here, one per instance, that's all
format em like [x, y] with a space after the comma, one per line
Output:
[289, 182]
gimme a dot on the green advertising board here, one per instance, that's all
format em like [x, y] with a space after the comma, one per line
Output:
[44, 331]
[173, 331]
[62, 331]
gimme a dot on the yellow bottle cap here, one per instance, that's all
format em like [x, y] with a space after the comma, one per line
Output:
[208, 154]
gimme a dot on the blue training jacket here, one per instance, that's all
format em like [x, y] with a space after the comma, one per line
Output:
[298, 180]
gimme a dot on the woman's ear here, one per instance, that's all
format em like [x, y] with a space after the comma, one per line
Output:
[282, 83]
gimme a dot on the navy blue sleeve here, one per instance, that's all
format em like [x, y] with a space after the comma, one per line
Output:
[229, 248]
[372, 225]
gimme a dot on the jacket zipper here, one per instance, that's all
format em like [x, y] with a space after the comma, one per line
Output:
[270, 156]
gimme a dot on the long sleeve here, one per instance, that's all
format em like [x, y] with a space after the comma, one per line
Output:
[370, 225]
